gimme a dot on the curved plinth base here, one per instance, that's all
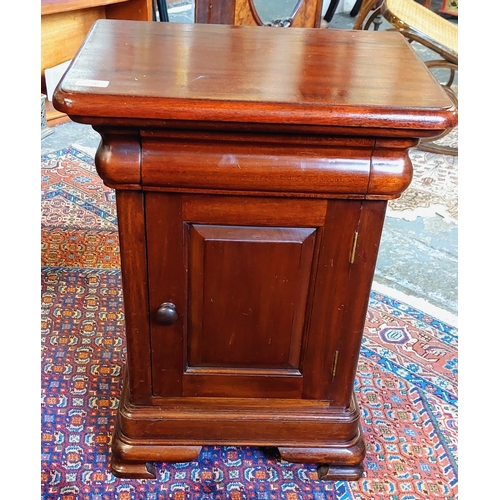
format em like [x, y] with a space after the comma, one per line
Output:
[133, 459]
[176, 430]
[339, 473]
[131, 470]
[341, 462]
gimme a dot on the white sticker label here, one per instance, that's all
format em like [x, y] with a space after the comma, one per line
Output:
[92, 83]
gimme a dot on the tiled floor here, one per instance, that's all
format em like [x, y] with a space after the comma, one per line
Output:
[418, 258]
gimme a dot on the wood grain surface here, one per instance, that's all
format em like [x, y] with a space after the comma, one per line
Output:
[169, 71]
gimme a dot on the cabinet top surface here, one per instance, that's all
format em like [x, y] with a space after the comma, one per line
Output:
[159, 71]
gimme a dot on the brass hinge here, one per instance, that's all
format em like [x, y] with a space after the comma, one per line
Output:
[334, 367]
[353, 249]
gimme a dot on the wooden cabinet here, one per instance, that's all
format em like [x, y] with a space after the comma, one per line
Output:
[252, 177]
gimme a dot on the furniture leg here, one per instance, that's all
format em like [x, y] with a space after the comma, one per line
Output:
[134, 460]
[341, 462]
[330, 12]
[356, 8]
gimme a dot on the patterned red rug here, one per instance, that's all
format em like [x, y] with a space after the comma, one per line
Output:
[434, 187]
[406, 384]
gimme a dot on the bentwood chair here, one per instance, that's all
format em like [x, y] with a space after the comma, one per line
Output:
[419, 24]
[332, 8]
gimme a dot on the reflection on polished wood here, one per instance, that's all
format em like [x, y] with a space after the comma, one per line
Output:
[252, 169]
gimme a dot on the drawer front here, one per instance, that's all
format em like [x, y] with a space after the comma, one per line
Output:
[189, 163]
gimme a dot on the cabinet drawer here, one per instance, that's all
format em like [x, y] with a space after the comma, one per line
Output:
[257, 167]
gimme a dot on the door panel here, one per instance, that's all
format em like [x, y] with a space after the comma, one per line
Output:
[247, 289]
[247, 298]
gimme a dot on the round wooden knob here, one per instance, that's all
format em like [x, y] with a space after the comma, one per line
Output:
[167, 314]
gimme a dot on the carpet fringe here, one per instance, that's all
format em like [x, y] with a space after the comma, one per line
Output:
[418, 303]
[86, 149]
[412, 215]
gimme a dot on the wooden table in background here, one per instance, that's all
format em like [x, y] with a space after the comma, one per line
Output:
[252, 169]
[66, 23]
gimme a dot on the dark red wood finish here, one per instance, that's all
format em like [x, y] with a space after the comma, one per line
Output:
[253, 167]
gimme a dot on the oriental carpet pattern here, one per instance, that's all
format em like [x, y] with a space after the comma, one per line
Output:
[406, 383]
[434, 187]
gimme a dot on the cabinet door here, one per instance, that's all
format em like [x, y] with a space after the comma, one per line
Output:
[241, 273]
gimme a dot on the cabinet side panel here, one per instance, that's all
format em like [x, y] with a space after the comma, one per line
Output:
[130, 208]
